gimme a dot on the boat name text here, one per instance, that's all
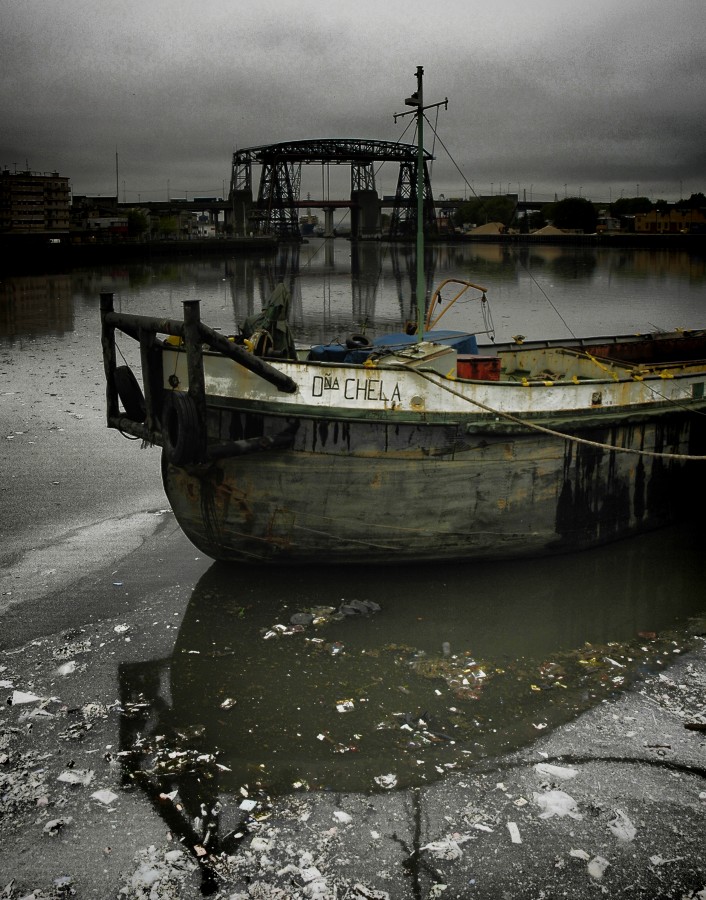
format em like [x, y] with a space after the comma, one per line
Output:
[355, 388]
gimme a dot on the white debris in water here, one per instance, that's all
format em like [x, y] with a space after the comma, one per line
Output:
[260, 845]
[19, 697]
[386, 781]
[556, 803]
[597, 867]
[158, 875]
[94, 710]
[622, 827]
[77, 776]
[659, 860]
[564, 773]
[68, 668]
[36, 714]
[310, 874]
[54, 826]
[447, 848]
[361, 892]
[514, 832]
[437, 890]
[105, 797]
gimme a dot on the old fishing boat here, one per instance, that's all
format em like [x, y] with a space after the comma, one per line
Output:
[410, 447]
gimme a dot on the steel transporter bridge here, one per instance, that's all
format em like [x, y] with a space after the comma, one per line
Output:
[277, 208]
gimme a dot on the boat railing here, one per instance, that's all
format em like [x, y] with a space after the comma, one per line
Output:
[143, 407]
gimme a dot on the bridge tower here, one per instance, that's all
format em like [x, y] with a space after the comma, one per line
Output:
[240, 197]
[365, 211]
[279, 189]
[403, 223]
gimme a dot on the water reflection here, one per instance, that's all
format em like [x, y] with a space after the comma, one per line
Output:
[37, 304]
[338, 287]
[460, 663]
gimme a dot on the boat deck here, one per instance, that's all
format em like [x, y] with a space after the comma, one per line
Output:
[601, 359]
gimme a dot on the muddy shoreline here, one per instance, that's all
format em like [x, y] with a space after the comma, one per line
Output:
[81, 818]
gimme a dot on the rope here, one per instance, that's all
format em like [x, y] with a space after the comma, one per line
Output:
[550, 431]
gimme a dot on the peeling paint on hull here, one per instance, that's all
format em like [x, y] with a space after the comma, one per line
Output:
[401, 457]
[379, 493]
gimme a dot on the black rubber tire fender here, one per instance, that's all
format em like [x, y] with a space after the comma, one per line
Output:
[181, 435]
[130, 394]
[358, 342]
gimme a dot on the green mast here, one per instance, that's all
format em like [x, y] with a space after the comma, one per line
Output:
[421, 281]
[417, 101]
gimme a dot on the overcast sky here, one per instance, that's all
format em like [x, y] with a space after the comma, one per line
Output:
[590, 98]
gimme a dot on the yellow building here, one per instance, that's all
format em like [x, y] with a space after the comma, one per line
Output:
[671, 221]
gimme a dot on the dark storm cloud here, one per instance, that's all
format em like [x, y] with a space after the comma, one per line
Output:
[542, 94]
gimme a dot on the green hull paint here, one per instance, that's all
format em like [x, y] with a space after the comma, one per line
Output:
[391, 494]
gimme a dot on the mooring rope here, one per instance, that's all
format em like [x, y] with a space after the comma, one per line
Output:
[687, 457]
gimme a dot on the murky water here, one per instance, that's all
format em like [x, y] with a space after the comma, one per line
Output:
[458, 664]
[447, 664]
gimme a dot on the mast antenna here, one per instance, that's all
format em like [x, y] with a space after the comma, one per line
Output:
[417, 101]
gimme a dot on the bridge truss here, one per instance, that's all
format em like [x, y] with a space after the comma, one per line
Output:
[276, 212]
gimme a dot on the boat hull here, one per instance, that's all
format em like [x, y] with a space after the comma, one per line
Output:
[397, 456]
[348, 492]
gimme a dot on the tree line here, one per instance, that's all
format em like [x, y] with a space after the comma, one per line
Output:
[571, 213]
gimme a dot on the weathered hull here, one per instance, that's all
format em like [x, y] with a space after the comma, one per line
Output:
[384, 493]
[401, 455]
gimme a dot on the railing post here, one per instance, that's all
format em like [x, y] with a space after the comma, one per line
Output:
[194, 362]
[108, 344]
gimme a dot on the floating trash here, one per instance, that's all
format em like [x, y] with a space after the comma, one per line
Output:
[597, 867]
[561, 772]
[19, 697]
[622, 827]
[388, 782]
[514, 832]
[77, 776]
[447, 848]
[556, 803]
[106, 797]
[54, 826]
[67, 668]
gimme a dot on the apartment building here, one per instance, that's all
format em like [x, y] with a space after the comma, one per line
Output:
[32, 203]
